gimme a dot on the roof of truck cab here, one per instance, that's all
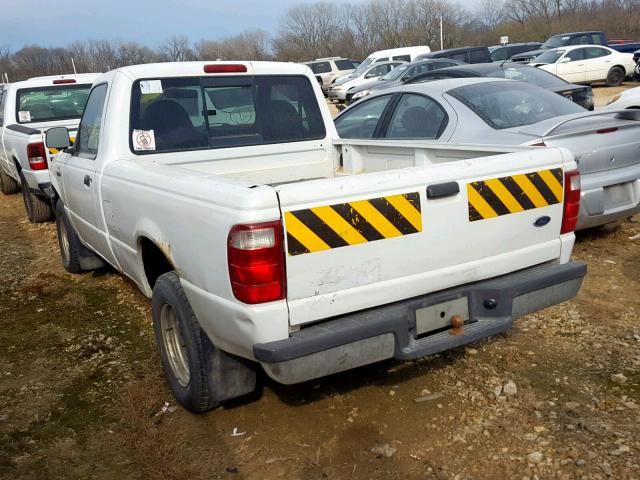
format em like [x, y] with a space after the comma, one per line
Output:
[191, 69]
[80, 79]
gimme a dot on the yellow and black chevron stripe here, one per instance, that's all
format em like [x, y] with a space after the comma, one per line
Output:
[505, 195]
[343, 224]
[53, 151]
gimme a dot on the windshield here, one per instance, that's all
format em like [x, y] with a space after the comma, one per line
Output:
[395, 73]
[555, 41]
[550, 56]
[362, 67]
[513, 104]
[45, 104]
[527, 74]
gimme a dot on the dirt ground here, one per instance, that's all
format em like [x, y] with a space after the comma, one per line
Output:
[82, 393]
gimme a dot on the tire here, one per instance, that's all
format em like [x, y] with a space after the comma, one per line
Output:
[38, 208]
[8, 185]
[200, 375]
[615, 77]
[76, 258]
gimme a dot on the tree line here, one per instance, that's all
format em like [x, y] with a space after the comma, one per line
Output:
[322, 29]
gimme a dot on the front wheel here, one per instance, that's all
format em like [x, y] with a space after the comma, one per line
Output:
[615, 77]
[200, 375]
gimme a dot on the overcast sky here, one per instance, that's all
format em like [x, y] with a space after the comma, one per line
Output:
[149, 22]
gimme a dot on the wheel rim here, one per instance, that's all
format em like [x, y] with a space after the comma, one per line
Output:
[174, 345]
[64, 241]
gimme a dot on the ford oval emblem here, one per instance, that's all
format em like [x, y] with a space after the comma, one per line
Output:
[542, 221]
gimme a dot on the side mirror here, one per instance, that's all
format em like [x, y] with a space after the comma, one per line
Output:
[58, 137]
[565, 60]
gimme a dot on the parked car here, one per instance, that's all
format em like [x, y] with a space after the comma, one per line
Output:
[629, 47]
[338, 91]
[405, 54]
[464, 54]
[580, 94]
[500, 53]
[27, 110]
[627, 99]
[636, 70]
[262, 238]
[586, 64]
[328, 69]
[507, 112]
[563, 40]
[401, 74]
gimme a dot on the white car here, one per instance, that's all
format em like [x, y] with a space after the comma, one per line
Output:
[587, 63]
[222, 190]
[627, 99]
[339, 91]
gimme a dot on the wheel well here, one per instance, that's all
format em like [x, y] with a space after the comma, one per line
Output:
[154, 260]
[15, 160]
[624, 70]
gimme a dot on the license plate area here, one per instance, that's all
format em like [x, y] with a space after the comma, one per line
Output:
[437, 317]
[618, 195]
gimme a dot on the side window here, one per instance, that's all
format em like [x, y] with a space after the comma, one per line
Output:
[595, 52]
[88, 135]
[361, 120]
[385, 59]
[321, 67]
[479, 56]
[2, 103]
[344, 65]
[406, 58]
[597, 39]
[499, 54]
[580, 40]
[417, 116]
[575, 55]
[377, 71]
[459, 56]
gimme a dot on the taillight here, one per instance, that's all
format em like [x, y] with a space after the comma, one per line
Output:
[538, 144]
[607, 130]
[571, 201]
[225, 68]
[37, 156]
[256, 262]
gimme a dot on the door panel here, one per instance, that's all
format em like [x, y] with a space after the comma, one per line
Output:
[573, 71]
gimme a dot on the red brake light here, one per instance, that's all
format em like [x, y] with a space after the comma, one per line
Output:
[571, 201]
[64, 80]
[225, 68]
[37, 156]
[607, 130]
[256, 262]
[538, 144]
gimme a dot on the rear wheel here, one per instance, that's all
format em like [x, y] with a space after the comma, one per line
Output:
[38, 208]
[200, 375]
[76, 258]
[615, 77]
[8, 185]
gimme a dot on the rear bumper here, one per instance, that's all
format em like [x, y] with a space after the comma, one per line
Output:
[373, 335]
[609, 196]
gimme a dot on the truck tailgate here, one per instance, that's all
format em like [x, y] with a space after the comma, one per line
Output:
[361, 241]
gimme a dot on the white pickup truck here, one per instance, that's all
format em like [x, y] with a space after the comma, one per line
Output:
[27, 110]
[222, 190]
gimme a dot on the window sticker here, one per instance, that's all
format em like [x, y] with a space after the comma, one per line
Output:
[143, 140]
[24, 116]
[150, 86]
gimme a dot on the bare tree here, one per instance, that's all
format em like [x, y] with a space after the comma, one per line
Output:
[176, 49]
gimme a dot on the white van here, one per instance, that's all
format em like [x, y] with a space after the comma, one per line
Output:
[408, 54]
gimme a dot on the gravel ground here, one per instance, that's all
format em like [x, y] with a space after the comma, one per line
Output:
[82, 394]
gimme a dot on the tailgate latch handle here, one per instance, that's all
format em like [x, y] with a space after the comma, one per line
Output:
[440, 190]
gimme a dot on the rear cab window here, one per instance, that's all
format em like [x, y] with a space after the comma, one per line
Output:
[197, 113]
[320, 67]
[46, 104]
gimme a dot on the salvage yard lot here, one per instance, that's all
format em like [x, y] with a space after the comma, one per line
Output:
[82, 393]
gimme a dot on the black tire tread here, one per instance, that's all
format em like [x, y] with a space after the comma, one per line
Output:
[38, 208]
[73, 266]
[8, 185]
[610, 82]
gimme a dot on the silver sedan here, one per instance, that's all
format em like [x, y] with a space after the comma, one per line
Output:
[606, 145]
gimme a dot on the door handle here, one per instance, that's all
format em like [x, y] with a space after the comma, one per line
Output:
[87, 180]
[441, 190]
